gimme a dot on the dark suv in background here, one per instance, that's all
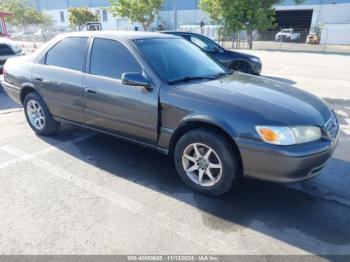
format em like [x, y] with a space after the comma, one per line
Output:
[233, 60]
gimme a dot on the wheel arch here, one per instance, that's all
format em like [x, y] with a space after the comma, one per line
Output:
[210, 123]
[26, 88]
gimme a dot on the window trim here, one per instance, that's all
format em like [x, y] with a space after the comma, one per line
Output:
[44, 58]
[88, 64]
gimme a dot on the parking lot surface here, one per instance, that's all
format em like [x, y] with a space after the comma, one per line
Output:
[80, 192]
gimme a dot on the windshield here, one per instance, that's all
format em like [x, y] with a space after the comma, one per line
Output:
[176, 59]
[286, 30]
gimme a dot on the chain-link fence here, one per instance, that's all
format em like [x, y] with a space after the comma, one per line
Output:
[35, 33]
[32, 37]
[330, 39]
[301, 41]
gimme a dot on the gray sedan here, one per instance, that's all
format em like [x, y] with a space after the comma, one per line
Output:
[162, 92]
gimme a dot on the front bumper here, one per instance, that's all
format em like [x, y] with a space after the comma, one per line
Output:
[286, 164]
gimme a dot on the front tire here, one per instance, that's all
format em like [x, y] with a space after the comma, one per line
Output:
[38, 116]
[207, 162]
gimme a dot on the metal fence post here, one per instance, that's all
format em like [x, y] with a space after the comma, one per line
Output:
[325, 43]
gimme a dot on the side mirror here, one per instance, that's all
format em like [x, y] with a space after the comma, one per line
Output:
[136, 79]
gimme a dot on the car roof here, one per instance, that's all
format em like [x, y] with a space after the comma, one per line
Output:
[180, 33]
[127, 35]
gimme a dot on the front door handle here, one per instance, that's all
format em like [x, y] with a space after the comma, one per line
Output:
[90, 90]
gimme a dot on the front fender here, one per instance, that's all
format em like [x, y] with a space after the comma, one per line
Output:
[168, 137]
[209, 120]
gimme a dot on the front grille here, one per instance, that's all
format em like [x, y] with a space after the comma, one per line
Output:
[332, 126]
[5, 50]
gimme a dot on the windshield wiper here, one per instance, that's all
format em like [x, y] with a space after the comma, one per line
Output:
[190, 78]
[221, 74]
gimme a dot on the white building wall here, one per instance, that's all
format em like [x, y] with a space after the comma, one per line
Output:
[336, 34]
[112, 23]
[55, 14]
[328, 14]
[334, 17]
[166, 18]
[334, 14]
[184, 17]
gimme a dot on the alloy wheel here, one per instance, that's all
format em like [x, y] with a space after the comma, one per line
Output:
[35, 114]
[202, 164]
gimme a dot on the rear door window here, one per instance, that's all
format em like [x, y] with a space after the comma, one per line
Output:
[68, 53]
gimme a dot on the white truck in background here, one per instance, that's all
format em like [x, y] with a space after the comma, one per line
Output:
[287, 35]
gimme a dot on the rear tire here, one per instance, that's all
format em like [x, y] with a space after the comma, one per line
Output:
[38, 116]
[212, 173]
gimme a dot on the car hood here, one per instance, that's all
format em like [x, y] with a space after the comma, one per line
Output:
[268, 101]
[234, 54]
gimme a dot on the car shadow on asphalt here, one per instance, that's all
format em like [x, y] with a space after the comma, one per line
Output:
[303, 220]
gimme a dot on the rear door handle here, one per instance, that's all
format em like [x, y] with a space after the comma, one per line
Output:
[90, 90]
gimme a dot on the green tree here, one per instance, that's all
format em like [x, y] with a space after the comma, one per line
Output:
[248, 15]
[23, 13]
[79, 16]
[142, 11]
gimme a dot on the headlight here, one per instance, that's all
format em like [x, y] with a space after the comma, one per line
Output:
[255, 59]
[16, 48]
[288, 135]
